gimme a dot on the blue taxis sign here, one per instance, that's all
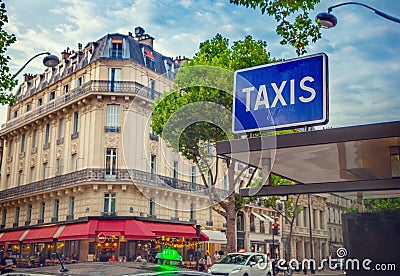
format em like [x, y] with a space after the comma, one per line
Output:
[282, 95]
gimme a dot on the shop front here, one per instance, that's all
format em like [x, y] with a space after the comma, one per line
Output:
[99, 240]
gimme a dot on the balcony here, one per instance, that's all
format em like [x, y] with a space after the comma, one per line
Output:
[96, 86]
[109, 214]
[115, 129]
[60, 141]
[99, 175]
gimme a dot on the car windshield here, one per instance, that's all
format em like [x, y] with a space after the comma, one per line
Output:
[239, 259]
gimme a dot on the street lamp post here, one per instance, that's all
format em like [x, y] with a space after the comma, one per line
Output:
[48, 61]
[328, 20]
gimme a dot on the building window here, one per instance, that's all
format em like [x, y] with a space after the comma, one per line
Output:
[42, 211]
[71, 206]
[56, 208]
[169, 68]
[28, 214]
[59, 166]
[14, 114]
[193, 180]
[152, 206]
[32, 174]
[10, 148]
[116, 48]
[66, 89]
[297, 220]
[314, 213]
[321, 220]
[114, 79]
[76, 125]
[61, 129]
[305, 216]
[175, 172]
[226, 183]
[252, 225]
[22, 145]
[208, 217]
[112, 121]
[192, 216]
[174, 209]
[79, 81]
[148, 58]
[47, 134]
[52, 95]
[8, 181]
[153, 167]
[111, 163]
[16, 218]
[74, 160]
[35, 138]
[262, 226]
[45, 170]
[20, 178]
[28, 107]
[4, 217]
[39, 101]
[209, 179]
[109, 203]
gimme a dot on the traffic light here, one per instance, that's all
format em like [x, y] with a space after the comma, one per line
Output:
[275, 228]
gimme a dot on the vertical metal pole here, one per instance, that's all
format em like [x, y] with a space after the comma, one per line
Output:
[312, 269]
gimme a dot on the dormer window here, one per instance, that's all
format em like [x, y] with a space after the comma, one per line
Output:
[37, 81]
[169, 68]
[148, 58]
[116, 49]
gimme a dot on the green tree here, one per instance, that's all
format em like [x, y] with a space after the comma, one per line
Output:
[382, 204]
[297, 32]
[206, 81]
[7, 82]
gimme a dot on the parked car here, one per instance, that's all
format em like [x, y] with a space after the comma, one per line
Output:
[243, 264]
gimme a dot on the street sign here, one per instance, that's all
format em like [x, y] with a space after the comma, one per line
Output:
[282, 95]
[101, 238]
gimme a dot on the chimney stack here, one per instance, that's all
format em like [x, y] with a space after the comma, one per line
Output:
[142, 37]
[28, 77]
[65, 54]
[181, 60]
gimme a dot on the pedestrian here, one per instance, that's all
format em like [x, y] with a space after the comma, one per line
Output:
[8, 263]
[112, 259]
[202, 264]
[42, 258]
[208, 261]
[217, 257]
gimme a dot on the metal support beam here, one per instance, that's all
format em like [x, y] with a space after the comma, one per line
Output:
[330, 187]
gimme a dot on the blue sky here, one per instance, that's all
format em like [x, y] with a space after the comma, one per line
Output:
[363, 49]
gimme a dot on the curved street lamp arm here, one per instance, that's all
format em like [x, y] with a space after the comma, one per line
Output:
[32, 58]
[389, 17]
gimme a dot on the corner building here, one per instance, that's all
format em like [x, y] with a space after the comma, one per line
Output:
[65, 183]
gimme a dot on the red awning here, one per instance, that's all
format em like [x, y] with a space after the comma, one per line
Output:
[11, 237]
[42, 234]
[138, 230]
[111, 227]
[174, 230]
[78, 231]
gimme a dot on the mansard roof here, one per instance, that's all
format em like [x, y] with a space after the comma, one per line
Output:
[73, 61]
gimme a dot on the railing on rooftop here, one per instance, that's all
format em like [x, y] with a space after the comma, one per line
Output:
[128, 87]
[99, 175]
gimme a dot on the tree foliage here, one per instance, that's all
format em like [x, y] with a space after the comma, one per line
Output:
[297, 32]
[7, 82]
[201, 101]
[382, 204]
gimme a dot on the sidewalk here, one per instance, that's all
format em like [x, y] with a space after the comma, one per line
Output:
[90, 269]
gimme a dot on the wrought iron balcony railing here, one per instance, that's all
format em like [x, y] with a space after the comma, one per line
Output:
[125, 87]
[99, 175]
